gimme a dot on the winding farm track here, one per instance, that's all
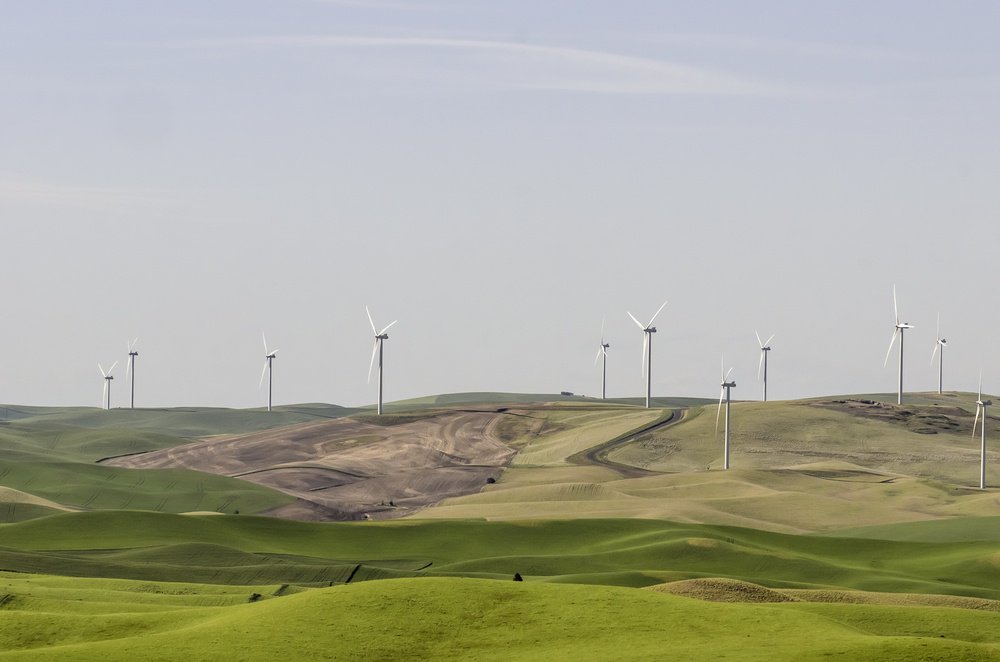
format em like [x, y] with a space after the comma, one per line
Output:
[598, 455]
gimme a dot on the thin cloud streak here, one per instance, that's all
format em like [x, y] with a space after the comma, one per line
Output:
[18, 190]
[780, 46]
[541, 67]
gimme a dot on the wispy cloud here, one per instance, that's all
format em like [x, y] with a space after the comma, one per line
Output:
[20, 190]
[778, 46]
[539, 67]
[374, 4]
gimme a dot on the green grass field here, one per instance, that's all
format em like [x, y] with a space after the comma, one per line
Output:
[626, 552]
[846, 530]
[450, 619]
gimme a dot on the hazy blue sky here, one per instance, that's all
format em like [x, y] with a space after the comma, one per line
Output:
[498, 176]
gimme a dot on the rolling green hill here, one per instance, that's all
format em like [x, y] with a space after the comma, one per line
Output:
[450, 619]
[626, 552]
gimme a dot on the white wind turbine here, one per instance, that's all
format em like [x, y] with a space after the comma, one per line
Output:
[724, 395]
[603, 351]
[897, 331]
[107, 384]
[380, 338]
[647, 349]
[268, 369]
[765, 347]
[981, 405]
[130, 371]
[939, 344]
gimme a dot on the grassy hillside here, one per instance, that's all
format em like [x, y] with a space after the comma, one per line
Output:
[814, 465]
[50, 454]
[626, 552]
[931, 438]
[445, 619]
[174, 421]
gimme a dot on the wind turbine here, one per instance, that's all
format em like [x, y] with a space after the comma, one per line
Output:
[603, 351]
[268, 369]
[647, 349]
[765, 347]
[107, 383]
[939, 344]
[897, 331]
[380, 338]
[724, 395]
[130, 370]
[981, 405]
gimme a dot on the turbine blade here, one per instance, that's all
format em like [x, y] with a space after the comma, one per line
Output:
[722, 367]
[104, 396]
[895, 308]
[387, 328]
[275, 351]
[372, 364]
[368, 312]
[645, 348]
[758, 338]
[760, 364]
[730, 372]
[937, 334]
[718, 412]
[976, 421]
[128, 366]
[265, 342]
[103, 374]
[262, 373]
[112, 368]
[768, 343]
[980, 386]
[935, 351]
[603, 320]
[657, 313]
[598, 357]
[891, 343]
[637, 322]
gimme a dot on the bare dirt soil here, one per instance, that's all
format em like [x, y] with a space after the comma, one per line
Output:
[352, 468]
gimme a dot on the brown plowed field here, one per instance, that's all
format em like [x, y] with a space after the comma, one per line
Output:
[348, 468]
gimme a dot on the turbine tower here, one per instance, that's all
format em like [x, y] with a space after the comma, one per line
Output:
[107, 384]
[981, 405]
[939, 344]
[647, 349]
[765, 347]
[268, 370]
[897, 331]
[724, 395]
[380, 338]
[603, 351]
[130, 371]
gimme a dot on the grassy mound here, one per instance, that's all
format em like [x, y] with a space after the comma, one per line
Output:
[451, 619]
[249, 550]
[716, 589]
